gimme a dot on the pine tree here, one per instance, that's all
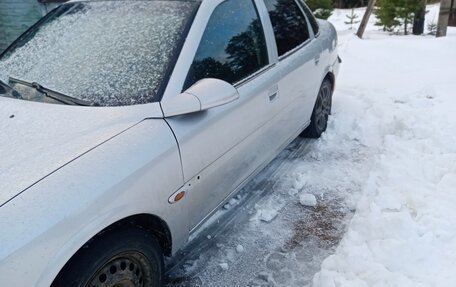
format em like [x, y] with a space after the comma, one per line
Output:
[387, 15]
[351, 19]
[392, 13]
[321, 8]
[432, 28]
[407, 9]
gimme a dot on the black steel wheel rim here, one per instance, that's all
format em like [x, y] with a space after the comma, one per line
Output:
[127, 269]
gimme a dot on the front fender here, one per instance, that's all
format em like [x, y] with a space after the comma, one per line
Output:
[133, 173]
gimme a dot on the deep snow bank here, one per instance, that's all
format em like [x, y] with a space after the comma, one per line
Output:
[404, 230]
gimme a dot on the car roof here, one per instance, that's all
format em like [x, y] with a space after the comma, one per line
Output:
[75, 1]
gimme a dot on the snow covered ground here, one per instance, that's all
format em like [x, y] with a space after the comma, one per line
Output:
[403, 232]
[371, 203]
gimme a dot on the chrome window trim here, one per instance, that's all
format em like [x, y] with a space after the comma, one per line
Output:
[254, 75]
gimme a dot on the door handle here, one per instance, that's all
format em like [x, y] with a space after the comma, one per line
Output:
[273, 96]
[317, 59]
[273, 93]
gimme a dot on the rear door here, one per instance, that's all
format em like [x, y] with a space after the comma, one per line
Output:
[222, 146]
[298, 60]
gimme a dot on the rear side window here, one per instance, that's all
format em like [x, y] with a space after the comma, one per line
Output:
[233, 45]
[289, 23]
[310, 16]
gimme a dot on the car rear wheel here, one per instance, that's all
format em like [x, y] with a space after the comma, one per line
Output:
[118, 258]
[321, 112]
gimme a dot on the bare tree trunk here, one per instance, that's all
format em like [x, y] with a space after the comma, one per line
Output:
[406, 22]
[362, 26]
[418, 21]
[452, 21]
[444, 16]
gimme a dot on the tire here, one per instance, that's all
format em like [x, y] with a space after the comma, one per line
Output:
[321, 112]
[120, 257]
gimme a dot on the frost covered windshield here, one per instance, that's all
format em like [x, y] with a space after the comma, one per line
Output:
[111, 53]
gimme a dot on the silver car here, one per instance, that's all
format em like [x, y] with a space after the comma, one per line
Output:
[126, 124]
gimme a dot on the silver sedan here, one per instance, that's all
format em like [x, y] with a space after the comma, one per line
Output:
[126, 124]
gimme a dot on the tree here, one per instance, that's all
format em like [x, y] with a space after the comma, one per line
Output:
[386, 13]
[321, 8]
[351, 19]
[407, 9]
[432, 27]
[363, 25]
[418, 23]
[392, 13]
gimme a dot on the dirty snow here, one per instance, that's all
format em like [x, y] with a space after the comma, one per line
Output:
[371, 203]
[268, 238]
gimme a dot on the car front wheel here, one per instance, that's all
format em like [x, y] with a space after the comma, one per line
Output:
[121, 258]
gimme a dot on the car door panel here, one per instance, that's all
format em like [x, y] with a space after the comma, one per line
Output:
[300, 80]
[298, 57]
[223, 145]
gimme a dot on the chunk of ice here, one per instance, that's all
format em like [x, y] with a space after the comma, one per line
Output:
[307, 199]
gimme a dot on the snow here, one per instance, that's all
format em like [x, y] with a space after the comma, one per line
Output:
[383, 177]
[266, 213]
[224, 266]
[32, 145]
[308, 200]
[402, 233]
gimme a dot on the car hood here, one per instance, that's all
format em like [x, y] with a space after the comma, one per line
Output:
[37, 139]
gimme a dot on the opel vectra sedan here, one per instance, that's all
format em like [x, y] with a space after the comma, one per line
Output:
[126, 124]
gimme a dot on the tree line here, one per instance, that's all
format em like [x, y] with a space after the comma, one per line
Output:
[391, 14]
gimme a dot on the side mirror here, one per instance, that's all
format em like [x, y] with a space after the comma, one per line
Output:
[205, 94]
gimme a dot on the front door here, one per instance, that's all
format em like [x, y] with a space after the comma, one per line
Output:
[222, 146]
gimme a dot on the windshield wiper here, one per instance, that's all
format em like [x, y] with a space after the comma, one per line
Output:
[7, 89]
[51, 94]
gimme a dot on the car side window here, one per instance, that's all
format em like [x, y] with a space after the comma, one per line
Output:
[233, 45]
[310, 17]
[289, 24]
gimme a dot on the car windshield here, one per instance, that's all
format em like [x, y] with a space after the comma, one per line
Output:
[111, 53]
